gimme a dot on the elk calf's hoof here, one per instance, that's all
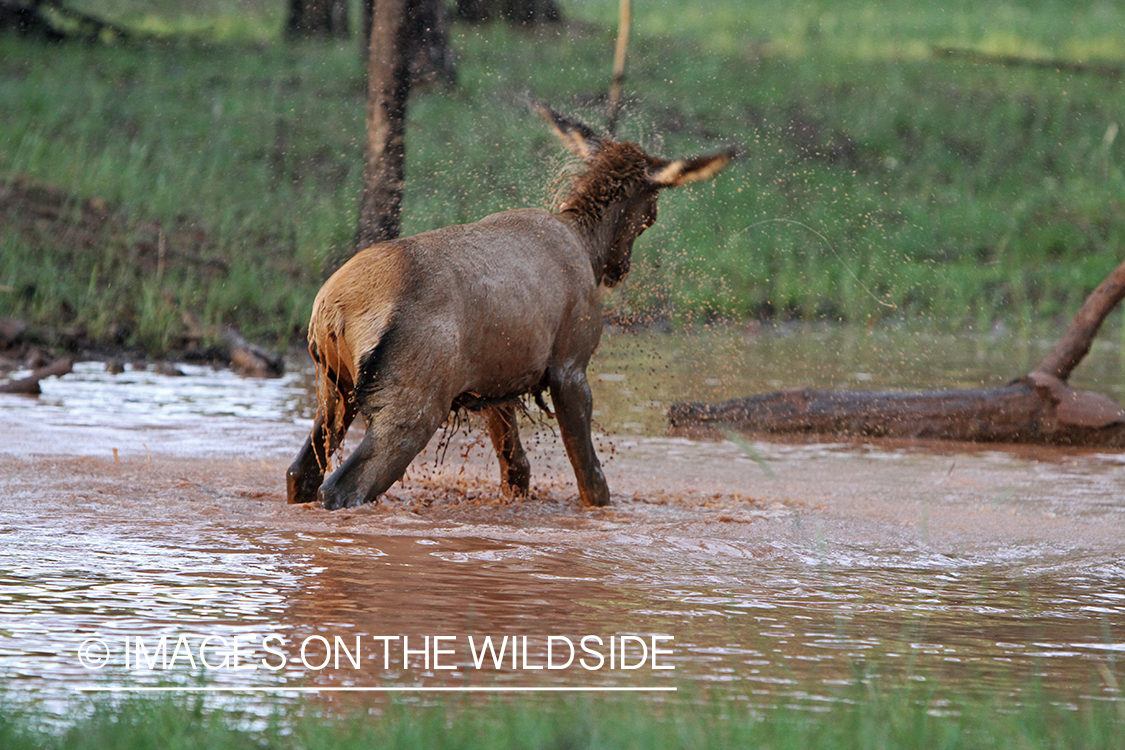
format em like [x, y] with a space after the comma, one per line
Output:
[599, 498]
[301, 488]
[330, 500]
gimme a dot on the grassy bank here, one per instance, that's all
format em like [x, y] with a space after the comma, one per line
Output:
[882, 181]
[859, 719]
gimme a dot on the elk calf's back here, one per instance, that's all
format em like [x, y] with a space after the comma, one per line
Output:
[476, 316]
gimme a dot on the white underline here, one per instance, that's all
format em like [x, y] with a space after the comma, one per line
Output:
[389, 689]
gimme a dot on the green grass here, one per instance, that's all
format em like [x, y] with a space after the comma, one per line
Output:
[857, 718]
[881, 183]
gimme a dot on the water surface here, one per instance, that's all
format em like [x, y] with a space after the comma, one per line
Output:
[785, 572]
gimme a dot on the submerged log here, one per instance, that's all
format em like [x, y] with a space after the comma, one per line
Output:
[30, 384]
[1037, 408]
[251, 360]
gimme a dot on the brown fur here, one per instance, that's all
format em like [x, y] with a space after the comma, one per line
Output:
[352, 311]
[477, 315]
[350, 315]
[610, 173]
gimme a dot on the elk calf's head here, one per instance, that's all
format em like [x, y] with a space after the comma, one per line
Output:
[617, 192]
[477, 316]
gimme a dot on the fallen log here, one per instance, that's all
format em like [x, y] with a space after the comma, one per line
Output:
[251, 360]
[30, 384]
[1021, 412]
[11, 329]
[1037, 408]
[26, 19]
[1018, 61]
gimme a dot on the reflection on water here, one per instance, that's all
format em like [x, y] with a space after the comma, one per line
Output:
[203, 412]
[59, 586]
[147, 397]
[782, 610]
[759, 618]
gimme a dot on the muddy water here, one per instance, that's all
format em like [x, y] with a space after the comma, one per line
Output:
[784, 572]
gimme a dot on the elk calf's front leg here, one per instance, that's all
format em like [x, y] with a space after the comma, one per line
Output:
[573, 406]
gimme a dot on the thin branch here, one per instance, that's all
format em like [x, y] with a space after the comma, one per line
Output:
[619, 66]
[1076, 342]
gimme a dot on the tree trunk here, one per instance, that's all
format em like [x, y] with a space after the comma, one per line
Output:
[523, 13]
[431, 58]
[317, 18]
[400, 29]
[1038, 408]
[388, 87]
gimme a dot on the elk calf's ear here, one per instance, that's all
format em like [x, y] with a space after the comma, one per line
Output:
[683, 171]
[576, 136]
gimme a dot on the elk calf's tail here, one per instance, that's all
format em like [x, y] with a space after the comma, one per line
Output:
[351, 319]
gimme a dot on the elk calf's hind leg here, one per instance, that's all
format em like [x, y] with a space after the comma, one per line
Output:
[307, 472]
[573, 406]
[515, 471]
[396, 433]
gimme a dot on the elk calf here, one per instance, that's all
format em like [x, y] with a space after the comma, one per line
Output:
[476, 316]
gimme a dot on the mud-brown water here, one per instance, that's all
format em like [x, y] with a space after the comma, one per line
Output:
[785, 572]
